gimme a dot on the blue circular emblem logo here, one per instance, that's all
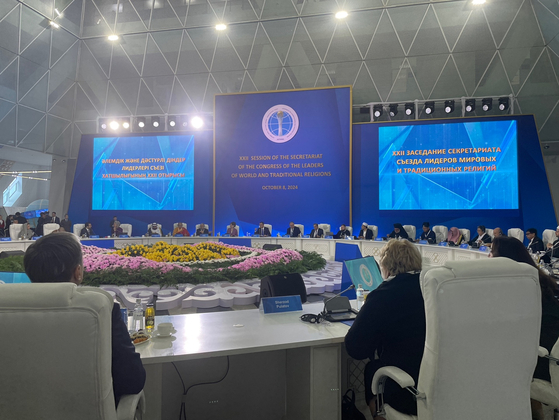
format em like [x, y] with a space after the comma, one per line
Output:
[280, 123]
[366, 275]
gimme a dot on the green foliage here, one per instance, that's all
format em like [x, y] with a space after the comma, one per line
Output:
[12, 264]
[148, 277]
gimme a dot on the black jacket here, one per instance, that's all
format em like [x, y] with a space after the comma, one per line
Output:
[430, 236]
[368, 234]
[262, 232]
[536, 245]
[342, 234]
[296, 232]
[485, 239]
[319, 233]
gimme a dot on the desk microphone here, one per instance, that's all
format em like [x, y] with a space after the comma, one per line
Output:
[316, 319]
[335, 296]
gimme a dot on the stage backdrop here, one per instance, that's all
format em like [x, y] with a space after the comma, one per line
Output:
[143, 178]
[283, 156]
[453, 172]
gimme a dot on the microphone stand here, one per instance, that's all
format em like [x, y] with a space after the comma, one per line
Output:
[323, 313]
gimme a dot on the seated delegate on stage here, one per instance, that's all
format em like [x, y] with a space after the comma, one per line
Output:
[58, 259]
[87, 231]
[262, 230]
[232, 230]
[116, 230]
[399, 232]
[342, 233]
[427, 234]
[536, 244]
[180, 230]
[365, 232]
[454, 236]
[26, 232]
[514, 249]
[66, 224]
[390, 327]
[154, 229]
[293, 231]
[481, 238]
[316, 232]
[202, 230]
[498, 232]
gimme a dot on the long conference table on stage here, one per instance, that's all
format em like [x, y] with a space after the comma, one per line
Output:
[330, 249]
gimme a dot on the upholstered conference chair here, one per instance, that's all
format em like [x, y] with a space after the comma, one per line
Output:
[56, 354]
[441, 233]
[411, 230]
[548, 392]
[374, 228]
[516, 233]
[481, 347]
[15, 230]
[126, 229]
[49, 228]
[465, 234]
[548, 236]
[78, 228]
[176, 224]
[490, 233]
[325, 227]
[301, 228]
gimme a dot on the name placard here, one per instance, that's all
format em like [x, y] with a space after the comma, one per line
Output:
[123, 236]
[179, 235]
[35, 238]
[329, 237]
[204, 235]
[464, 246]
[94, 236]
[423, 242]
[443, 243]
[278, 304]
[156, 235]
[483, 248]
[378, 239]
[256, 235]
[226, 235]
[306, 236]
[5, 239]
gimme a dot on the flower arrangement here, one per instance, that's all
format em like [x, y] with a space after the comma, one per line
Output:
[165, 252]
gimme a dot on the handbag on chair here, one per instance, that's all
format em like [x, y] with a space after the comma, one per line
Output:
[349, 410]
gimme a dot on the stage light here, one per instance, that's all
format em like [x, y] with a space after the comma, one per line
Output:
[393, 110]
[114, 125]
[449, 106]
[126, 125]
[377, 111]
[155, 121]
[103, 126]
[141, 122]
[220, 27]
[183, 121]
[503, 103]
[112, 37]
[409, 108]
[172, 122]
[470, 105]
[54, 24]
[487, 104]
[429, 107]
[342, 14]
[197, 122]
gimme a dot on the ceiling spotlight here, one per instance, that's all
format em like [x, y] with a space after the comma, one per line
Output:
[126, 125]
[393, 110]
[172, 122]
[220, 27]
[114, 125]
[429, 107]
[197, 122]
[377, 110]
[103, 126]
[470, 105]
[487, 104]
[155, 121]
[141, 122]
[409, 108]
[449, 106]
[183, 122]
[112, 37]
[503, 103]
[54, 24]
[342, 14]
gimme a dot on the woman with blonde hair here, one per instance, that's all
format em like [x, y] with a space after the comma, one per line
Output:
[390, 327]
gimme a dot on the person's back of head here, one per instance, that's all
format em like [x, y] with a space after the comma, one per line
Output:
[54, 259]
[400, 257]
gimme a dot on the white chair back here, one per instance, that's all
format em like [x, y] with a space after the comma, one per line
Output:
[325, 227]
[548, 237]
[158, 226]
[465, 234]
[15, 230]
[516, 233]
[483, 330]
[269, 227]
[61, 359]
[301, 228]
[544, 391]
[489, 232]
[347, 227]
[441, 233]
[78, 228]
[176, 224]
[127, 228]
[49, 228]
[411, 230]
[205, 224]
[374, 228]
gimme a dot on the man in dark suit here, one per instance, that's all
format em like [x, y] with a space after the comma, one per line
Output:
[40, 223]
[293, 231]
[481, 238]
[536, 244]
[342, 233]
[87, 231]
[202, 230]
[262, 230]
[21, 220]
[54, 219]
[428, 235]
[365, 232]
[554, 247]
[58, 259]
[498, 232]
[317, 232]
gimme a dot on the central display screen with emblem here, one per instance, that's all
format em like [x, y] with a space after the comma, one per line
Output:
[283, 156]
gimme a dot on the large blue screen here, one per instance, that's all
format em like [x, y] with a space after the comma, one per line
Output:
[143, 173]
[449, 166]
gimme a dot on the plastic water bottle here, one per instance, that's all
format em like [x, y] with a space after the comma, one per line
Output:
[360, 297]
[138, 316]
